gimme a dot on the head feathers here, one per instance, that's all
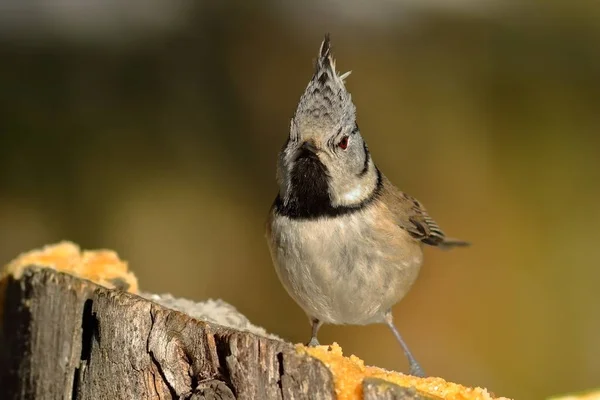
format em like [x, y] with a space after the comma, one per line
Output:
[325, 65]
[325, 104]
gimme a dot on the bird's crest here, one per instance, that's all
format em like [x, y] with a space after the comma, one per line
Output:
[325, 103]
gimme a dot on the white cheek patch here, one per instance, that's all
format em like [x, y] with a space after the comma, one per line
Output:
[354, 195]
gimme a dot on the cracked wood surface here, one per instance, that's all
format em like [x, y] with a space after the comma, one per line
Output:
[66, 338]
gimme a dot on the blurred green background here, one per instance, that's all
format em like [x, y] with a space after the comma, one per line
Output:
[152, 128]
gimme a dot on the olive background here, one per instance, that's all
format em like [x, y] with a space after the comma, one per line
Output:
[152, 128]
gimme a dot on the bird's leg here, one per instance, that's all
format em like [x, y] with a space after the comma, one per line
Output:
[413, 366]
[316, 324]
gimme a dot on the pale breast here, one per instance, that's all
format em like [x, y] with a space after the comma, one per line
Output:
[344, 270]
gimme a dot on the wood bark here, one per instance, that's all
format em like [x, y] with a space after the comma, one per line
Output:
[62, 337]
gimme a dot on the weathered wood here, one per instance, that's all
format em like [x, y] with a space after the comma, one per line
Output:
[379, 389]
[67, 338]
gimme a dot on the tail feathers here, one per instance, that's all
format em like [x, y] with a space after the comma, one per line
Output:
[450, 243]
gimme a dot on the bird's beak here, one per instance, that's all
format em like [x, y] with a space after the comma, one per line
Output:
[309, 145]
[307, 150]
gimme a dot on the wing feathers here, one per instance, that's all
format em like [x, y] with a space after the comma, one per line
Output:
[413, 217]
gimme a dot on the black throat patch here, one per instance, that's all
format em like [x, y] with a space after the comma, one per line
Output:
[309, 194]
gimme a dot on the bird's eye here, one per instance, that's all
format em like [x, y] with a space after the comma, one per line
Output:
[343, 144]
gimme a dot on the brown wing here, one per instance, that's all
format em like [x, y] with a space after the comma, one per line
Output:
[413, 217]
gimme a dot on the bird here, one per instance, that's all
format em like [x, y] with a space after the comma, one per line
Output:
[346, 244]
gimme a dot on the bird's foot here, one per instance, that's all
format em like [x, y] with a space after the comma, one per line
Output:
[313, 342]
[415, 369]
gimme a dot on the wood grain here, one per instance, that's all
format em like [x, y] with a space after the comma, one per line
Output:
[66, 338]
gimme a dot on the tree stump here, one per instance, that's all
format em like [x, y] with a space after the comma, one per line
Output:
[67, 338]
